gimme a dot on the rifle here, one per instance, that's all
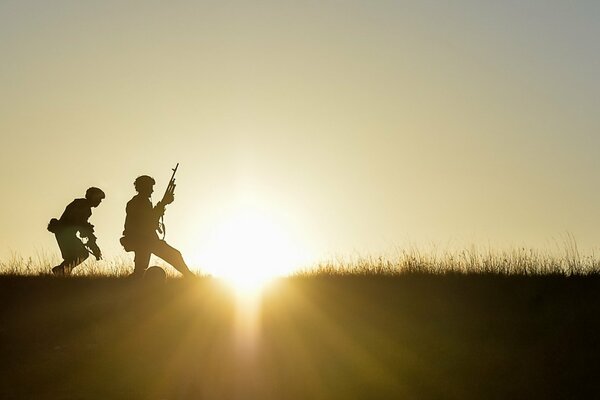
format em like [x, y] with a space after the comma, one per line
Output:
[92, 247]
[87, 232]
[169, 190]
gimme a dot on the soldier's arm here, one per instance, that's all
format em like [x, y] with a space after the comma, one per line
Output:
[87, 230]
[93, 246]
[159, 209]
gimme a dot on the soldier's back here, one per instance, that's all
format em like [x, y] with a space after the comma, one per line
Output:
[76, 213]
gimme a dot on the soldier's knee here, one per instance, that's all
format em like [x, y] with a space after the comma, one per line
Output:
[179, 257]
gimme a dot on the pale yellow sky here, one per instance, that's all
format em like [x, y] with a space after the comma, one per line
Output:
[351, 126]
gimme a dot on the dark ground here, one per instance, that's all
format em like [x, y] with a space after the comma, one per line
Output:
[409, 337]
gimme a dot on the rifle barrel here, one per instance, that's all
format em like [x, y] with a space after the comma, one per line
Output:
[171, 185]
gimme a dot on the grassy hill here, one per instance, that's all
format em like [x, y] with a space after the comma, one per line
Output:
[413, 336]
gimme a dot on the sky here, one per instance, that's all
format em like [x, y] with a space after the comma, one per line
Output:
[320, 127]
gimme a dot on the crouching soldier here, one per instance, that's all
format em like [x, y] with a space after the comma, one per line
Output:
[74, 220]
[142, 220]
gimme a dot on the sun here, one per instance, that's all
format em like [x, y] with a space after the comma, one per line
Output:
[250, 247]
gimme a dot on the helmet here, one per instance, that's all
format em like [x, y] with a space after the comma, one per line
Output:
[142, 181]
[155, 275]
[94, 193]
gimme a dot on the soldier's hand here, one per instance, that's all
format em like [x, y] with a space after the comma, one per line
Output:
[98, 254]
[169, 198]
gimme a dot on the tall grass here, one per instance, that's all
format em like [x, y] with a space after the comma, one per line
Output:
[567, 261]
[515, 261]
[42, 262]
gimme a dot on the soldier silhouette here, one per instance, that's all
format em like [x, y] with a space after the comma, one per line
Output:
[74, 220]
[142, 221]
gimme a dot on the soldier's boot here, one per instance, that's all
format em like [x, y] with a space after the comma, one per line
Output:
[186, 272]
[64, 268]
[59, 270]
[182, 267]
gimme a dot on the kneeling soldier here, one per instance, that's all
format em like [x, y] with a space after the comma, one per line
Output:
[142, 220]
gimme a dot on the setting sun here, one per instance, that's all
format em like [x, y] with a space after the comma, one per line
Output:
[250, 247]
[267, 200]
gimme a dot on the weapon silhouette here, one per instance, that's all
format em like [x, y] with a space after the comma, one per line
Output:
[170, 190]
[92, 247]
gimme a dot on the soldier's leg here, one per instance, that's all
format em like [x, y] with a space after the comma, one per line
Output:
[172, 256]
[66, 267]
[73, 262]
[73, 252]
[141, 260]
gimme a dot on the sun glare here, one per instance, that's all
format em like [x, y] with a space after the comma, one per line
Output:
[251, 244]
[249, 248]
